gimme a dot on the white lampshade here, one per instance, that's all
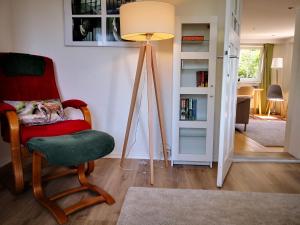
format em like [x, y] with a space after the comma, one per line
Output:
[277, 63]
[138, 19]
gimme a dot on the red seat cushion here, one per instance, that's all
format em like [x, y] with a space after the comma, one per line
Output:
[55, 129]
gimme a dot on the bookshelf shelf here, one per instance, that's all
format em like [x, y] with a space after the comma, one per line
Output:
[193, 90]
[196, 42]
[192, 124]
[194, 55]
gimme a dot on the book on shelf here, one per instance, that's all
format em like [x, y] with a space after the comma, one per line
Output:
[202, 78]
[193, 38]
[188, 109]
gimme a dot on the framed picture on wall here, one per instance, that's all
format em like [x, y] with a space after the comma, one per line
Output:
[94, 23]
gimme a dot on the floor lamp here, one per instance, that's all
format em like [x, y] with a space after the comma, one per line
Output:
[274, 93]
[147, 21]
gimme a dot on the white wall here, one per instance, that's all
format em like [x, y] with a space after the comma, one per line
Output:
[103, 76]
[293, 123]
[5, 46]
[5, 26]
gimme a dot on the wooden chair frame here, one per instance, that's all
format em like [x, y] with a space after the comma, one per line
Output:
[15, 147]
[271, 104]
[61, 215]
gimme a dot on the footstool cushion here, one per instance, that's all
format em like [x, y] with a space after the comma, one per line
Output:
[73, 149]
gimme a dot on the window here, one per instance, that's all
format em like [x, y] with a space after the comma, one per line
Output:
[250, 64]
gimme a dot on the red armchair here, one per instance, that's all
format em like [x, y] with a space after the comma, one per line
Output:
[27, 87]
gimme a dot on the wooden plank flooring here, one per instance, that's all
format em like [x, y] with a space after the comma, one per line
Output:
[245, 177]
[247, 147]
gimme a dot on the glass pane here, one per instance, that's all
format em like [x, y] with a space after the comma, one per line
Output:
[195, 37]
[194, 73]
[249, 63]
[113, 29]
[113, 6]
[86, 7]
[87, 29]
[193, 107]
[192, 141]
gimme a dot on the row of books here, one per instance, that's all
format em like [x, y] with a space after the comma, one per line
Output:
[188, 109]
[202, 78]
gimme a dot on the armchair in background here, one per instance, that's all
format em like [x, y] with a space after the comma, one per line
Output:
[243, 110]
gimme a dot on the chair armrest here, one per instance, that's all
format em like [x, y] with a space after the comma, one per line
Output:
[4, 107]
[74, 103]
[78, 104]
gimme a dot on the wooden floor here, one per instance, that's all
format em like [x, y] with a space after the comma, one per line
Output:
[245, 177]
[247, 147]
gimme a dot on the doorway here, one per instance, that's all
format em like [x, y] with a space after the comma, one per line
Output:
[264, 79]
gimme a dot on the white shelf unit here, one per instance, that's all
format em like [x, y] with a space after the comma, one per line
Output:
[192, 129]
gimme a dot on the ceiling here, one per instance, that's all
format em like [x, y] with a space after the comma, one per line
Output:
[268, 19]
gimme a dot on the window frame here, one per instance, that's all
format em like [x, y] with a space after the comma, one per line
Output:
[103, 16]
[258, 77]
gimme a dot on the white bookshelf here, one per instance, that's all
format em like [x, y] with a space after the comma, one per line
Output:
[192, 132]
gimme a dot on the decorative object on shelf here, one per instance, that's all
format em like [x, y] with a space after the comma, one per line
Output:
[202, 78]
[188, 109]
[192, 38]
[147, 21]
[94, 23]
[274, 93]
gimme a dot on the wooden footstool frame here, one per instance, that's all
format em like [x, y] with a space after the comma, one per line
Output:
[61, 215]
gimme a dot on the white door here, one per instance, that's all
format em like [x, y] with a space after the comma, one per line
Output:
[229, 85]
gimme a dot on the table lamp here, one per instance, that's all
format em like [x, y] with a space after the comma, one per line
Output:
[147, 21]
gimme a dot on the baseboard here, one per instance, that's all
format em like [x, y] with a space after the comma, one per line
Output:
[131, 156]
[264, 160]
[4, 162]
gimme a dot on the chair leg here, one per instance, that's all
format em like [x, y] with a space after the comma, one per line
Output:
[38, 193]
[17, 168]
[268, 107]
[90, 167]
[61, 215]
[84, 182]
[245, 127]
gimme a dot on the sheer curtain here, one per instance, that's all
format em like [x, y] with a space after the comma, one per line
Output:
[266, 74]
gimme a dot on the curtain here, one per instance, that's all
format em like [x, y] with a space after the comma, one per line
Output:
[266, 74]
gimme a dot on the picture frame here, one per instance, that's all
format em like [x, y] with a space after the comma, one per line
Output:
[94, 23]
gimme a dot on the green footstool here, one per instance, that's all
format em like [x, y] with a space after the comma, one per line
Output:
[69, 150]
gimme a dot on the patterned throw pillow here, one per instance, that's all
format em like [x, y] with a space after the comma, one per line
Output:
[39, 112]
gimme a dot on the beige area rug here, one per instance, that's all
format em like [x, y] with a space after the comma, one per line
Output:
[265, 117]
[159, 206]
[269, 133]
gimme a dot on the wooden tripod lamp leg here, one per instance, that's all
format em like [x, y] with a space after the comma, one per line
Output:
[150, 109]
[152, 74]
[133, 99]
[159, 106]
